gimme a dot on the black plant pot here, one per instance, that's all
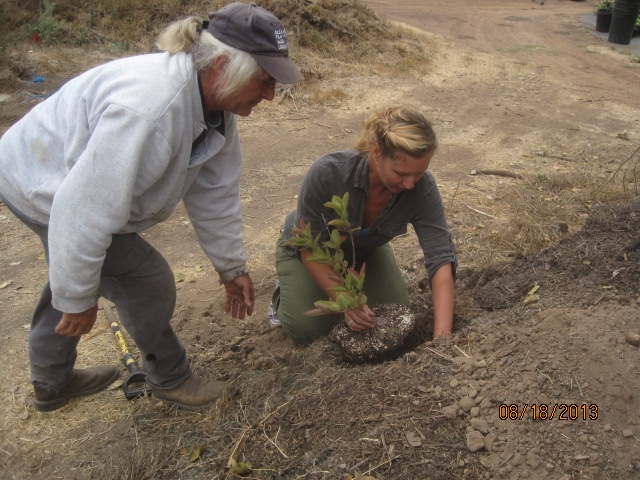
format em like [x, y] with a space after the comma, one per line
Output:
[623, 21]
[603, 20]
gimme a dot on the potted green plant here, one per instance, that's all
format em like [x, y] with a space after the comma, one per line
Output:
[394, 323]
[349, 294]
[604, 12]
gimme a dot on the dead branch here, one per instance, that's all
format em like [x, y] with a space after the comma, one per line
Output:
[499, 173]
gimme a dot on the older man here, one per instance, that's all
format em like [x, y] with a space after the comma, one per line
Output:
[111, 154]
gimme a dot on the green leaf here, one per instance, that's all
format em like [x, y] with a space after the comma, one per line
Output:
[345, 201]
[327, 305]
[316, 312]
[335, 237]
[319, 259]
[343, 301]
[338, 288]
[338, 222]
[349, 282]
[241, 468]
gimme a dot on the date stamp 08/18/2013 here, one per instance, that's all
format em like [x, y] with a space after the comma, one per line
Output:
[543, 411]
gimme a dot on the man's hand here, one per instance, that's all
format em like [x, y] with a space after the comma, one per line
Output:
[76, 324]
[240, 297]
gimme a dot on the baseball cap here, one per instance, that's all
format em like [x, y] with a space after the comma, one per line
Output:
[258, 32]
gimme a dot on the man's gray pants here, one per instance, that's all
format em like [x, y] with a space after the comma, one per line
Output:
[139, 281]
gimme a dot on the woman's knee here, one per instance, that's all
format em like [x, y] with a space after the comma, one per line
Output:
[303, 331]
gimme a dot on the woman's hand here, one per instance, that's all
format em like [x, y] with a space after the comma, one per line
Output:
[360, 320]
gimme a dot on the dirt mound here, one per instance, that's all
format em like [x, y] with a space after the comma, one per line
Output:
[603, 257]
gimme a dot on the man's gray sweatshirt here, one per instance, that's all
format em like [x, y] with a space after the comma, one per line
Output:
[110, 153]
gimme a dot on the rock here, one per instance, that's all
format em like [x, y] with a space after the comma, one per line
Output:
[561, 227]
[480, 424]
[462, 364]
[412, 357]
[480, 364]
[533, 461]
[227, 356]
[595, 459]
[450, 412]
[264, 362]
[466, 403]
[627, 433]
[488, 441]
[632, 338]
[475, 441]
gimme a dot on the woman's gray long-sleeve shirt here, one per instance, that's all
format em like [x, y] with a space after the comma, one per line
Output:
[347, 171]
[111, 153]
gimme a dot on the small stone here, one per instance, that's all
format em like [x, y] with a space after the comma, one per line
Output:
[475, 441]
[481, 364]
[480, 424]
[561, 227]
[488, 441]
[450, 412]
[474, 412]
[227, 355]
[453, 383]
[533, 461]
[595, 459]
[632, 338]
[437, 392]
[412, 357]
[608, 427]
[466, 403]
[264, 362]
[627, 433]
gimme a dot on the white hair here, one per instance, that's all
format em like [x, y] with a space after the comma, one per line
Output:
[187, 36]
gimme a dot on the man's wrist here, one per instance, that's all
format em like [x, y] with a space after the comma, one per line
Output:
[231, 275]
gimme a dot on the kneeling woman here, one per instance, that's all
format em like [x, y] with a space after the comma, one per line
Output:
[389, 188]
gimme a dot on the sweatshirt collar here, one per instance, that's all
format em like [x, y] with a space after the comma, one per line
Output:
[214, 119]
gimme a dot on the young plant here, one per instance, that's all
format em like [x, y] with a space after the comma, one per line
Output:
[604, 6]
[348, 293]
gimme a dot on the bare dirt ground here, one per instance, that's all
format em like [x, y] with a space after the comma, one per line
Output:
[538, 380]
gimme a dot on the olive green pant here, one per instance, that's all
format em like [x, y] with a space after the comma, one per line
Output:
[297, 292]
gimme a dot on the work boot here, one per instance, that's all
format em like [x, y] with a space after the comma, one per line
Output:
[84, 382]
[196, 393]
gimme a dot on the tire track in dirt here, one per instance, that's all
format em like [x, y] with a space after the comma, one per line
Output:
[559, 36]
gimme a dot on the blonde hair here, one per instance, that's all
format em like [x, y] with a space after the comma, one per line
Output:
[187, 36]
[398, 129]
